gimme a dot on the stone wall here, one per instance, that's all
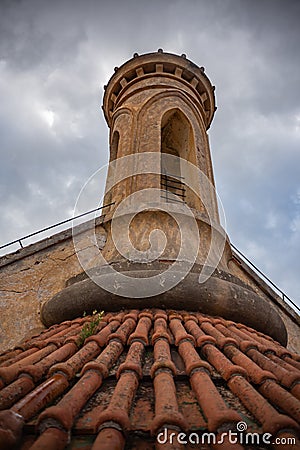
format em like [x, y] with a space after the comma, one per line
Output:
[31, 276]
[290, 318]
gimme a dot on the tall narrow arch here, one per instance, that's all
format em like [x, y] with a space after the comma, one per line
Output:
[114, 146]
[175, 130]
[177, 139]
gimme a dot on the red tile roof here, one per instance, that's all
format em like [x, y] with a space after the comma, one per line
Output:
[143, 372]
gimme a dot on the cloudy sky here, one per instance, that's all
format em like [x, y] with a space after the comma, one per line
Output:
[55, 58]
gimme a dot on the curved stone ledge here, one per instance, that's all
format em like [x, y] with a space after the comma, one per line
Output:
[217, 297]
[159, 64]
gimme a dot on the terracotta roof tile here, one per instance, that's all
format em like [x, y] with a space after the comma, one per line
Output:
[142, 372]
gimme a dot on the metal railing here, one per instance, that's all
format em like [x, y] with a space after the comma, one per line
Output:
[282, 294]
[170, 183]
[19, 241]
[16, 241]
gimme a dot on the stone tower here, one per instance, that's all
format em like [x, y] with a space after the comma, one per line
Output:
[184, 352]
[164, 242]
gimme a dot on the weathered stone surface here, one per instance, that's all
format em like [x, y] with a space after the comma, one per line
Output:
[291, 319]
[218, 296]
[26, 283]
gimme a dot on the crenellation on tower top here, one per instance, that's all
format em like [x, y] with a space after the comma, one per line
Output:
[170, 67]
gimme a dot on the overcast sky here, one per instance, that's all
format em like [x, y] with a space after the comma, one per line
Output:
[55, 58]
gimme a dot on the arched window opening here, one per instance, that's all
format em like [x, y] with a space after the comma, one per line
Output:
[174, 138]
[111, 170]
[114, 146]
[177, 139]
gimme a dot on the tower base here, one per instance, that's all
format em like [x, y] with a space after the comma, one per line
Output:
[220, 295]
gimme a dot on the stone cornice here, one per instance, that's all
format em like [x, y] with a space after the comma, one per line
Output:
[160, 64]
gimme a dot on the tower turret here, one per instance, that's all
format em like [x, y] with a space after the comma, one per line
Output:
[158, 107]
[165, 246]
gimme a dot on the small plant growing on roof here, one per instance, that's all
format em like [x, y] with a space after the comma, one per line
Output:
[89, 328]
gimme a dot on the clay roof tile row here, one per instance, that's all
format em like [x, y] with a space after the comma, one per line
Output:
[142, 372]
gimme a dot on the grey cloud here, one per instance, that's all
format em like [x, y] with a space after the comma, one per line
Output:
[55, 58]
